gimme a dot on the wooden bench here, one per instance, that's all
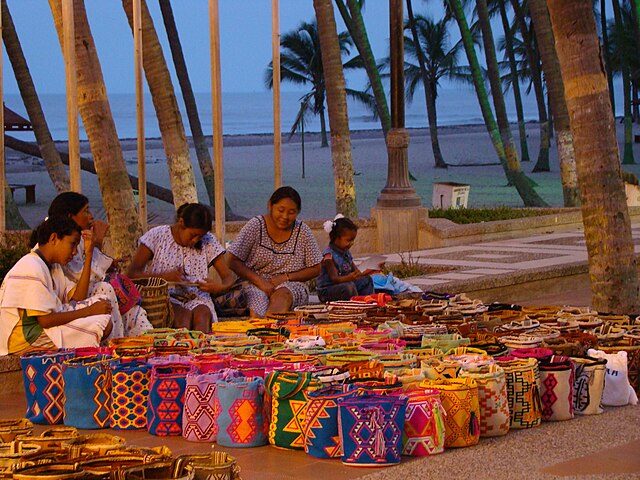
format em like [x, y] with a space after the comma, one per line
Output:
[30, 190]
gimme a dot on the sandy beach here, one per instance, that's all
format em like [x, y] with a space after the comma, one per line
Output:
[248, 163]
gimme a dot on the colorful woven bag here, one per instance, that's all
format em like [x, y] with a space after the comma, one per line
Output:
[87, 389]
[288, 407]
[200, 414]
[242, 421]
[523, 379]
[321, 422]
[129, 395]
[166, 398]
[370, 429]
[492, 396]
[588, 385]
[556, 391]
[424, 429]
[44, 385]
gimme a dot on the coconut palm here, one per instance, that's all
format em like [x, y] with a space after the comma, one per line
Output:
[331, 47]
[93, 104]
[607, 227]
[174, 139]
[606, 48]
[27, 88]
[301, 63]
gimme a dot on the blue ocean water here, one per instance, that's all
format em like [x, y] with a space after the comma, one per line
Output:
[252, 112]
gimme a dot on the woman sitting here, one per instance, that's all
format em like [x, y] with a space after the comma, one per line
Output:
[277, 254]
[133, 320]
[182, 254]
[39, 307]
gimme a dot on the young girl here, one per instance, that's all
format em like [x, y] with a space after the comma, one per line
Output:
[340, 279]
[40, 307]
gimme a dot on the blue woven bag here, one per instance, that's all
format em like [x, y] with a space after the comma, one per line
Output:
[87, 388]
[44, 385]
[370, 429]
[129, 395]
[166, 398]
[241, 419]
[321, 421]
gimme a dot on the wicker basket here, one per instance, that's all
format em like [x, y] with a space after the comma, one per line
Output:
[155, 300]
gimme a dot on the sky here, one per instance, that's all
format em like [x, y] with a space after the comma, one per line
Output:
[245, 34]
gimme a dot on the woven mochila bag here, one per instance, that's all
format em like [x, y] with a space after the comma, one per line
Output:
[523, 391]
[87, 388]
[459, 398]
[556, 388]
[166, 398]
[424, 429]
[288, 392]
[492, 396]
[129, 395]
[44, 385]
[588, 385]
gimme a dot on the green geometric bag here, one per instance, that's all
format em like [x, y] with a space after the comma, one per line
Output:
[288, 407]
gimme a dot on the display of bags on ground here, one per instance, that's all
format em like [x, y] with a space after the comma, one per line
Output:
[321, 422]
[617, 389]
[241, 421]
[288, 407]
[556, 388]
[370, 429]
[424, 429]
[588, 385]
[44, 385]
[523, 392]
[129, 395]
[492, 397]
[459, 398]
[166, 398]
[87, 389]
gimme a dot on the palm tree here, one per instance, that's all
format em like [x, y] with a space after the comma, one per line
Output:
[606, 49]
[331, 48]
[301, 63]
[607, 227]
[429, 45]
[93, 104]
[27, 88]
[174, 139]
[512, 169]
[555, 90]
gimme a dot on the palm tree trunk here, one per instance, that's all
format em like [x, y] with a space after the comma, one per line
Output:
[607, 59]
[558, 105]
[607, 227]
[93, 104]
[514, 176]
[508, 40]
[355, 25]
[176, 148]
[323, 128]
[337, 103]
[542, 164]
[13, 218]
[627, 157]
[429, 92]
[27, 88]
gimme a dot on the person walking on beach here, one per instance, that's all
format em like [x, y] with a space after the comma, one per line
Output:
[182, 254]
[277, 254]
[40, 308]
[339, 278]
[129, 319]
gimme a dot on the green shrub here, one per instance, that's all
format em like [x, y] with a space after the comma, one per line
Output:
[479, 215]
[410, 266]
[13, 246]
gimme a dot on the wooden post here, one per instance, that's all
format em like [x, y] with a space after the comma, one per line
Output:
[216, 110]
[3, 186]
[142, 167]
[277, 127]
[69, 35]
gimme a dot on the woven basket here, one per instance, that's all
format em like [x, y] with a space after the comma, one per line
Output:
[155, 300]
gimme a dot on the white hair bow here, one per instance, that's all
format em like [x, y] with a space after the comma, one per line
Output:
[329, 224]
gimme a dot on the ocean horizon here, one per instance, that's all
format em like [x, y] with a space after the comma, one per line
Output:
[245, 113]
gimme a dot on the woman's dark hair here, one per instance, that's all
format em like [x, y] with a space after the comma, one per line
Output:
[60, 225]
[67, 204]
[195, 215]
[286, 192]
[340, 225]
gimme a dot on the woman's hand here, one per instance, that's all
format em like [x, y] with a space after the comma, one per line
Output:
[279, 279]
[88, 237]
[101, 307]
[266, 286]
[174, 276]
[214, 288]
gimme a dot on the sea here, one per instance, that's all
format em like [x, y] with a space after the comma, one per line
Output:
[246, 113]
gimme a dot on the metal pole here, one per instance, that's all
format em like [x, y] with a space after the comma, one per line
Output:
[277, 128]
[142, 167]
[216, 109]
[3, 180]
[69, 38]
